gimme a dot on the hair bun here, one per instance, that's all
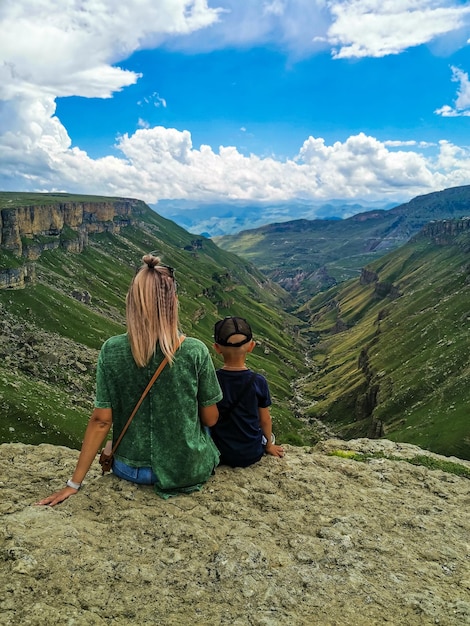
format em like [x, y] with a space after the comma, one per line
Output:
[150, 260]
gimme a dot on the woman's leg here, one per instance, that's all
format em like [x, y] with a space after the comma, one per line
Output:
[139, 475]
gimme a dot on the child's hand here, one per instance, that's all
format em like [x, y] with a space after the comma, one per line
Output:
[274, 450]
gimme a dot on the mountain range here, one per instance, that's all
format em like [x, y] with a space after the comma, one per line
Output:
[307, 256]
[211, 219]
[384, 353]
[391, 355]
[65, 265]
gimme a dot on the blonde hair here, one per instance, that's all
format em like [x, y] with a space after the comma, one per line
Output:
[152, 311]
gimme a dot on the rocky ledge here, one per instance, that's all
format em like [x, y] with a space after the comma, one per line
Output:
[309, 539]
[28, 231]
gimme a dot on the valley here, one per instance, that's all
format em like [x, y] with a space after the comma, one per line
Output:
[307, 256]
[59, 302]
[379, 352]
[391, 348]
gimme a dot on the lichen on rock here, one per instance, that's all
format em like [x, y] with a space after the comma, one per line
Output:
[308, 539]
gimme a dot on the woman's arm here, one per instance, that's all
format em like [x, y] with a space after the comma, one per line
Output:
[209, 415]
[98, 427]
[267, 428]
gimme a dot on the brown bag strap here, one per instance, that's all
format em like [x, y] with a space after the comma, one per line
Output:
[146, 390]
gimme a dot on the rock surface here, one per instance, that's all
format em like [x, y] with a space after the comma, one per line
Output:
[28, 231]
[309, 539]
[50, 219]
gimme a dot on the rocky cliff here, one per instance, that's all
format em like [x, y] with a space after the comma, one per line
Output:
[27, 231]
[308, 539]
[444, 232]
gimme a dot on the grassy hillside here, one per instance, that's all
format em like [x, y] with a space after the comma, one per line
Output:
[307, 256]
[392, 351]
[50, 340]
[12, 199]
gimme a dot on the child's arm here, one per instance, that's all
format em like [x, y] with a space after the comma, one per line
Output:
[209, 415]
[267, 428]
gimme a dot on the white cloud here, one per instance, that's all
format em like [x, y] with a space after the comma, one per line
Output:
[74, 51]
[462, 102]
[49, 51]
[154, 99]
[376, 28]
[446, 111]
[353, 28]
[159, 162]
[274, 7]
[141, 123]
[396, 143]
[363, 166]
[291, 25]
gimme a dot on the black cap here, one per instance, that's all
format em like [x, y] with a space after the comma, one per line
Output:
[229, 326]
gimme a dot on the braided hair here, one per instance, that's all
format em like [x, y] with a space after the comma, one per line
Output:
[152, 311]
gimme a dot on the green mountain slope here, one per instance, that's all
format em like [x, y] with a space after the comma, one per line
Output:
[307, 256]
[53, 328]
[392, 351]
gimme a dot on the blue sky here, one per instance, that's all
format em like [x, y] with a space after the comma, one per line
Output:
[267, 100]
[260, 101]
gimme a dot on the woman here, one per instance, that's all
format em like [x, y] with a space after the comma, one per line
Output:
[166, 444]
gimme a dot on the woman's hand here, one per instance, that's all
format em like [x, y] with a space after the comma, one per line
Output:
[274, 450]
[96, 431]
[58, 496]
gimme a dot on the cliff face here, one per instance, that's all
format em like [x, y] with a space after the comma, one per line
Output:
[311, 539]
[17, 276]
[443, 232]
[27, 231]
[50, 220]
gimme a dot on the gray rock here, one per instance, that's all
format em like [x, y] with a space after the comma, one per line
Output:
[308, 539]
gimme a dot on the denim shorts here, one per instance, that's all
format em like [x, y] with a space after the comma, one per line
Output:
[140, 475]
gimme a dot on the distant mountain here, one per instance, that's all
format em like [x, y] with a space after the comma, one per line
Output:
[307, 256]
[65, 265]
[392, 346]
[230, 217]
[387, 352]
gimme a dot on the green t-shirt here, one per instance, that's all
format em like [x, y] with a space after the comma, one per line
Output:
[166, 433]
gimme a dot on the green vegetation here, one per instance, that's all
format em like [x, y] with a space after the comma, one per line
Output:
[13, 199]
[35, 412]
[387, 348]
[396, 365]
[307, 256]
[8, 259]
[56, 312]
[420, 459]
[212, 283]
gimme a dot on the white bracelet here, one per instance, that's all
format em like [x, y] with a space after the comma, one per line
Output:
[76, 486]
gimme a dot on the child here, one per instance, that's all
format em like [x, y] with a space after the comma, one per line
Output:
[243, 432]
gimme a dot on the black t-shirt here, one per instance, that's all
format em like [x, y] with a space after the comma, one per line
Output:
[238, 433]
